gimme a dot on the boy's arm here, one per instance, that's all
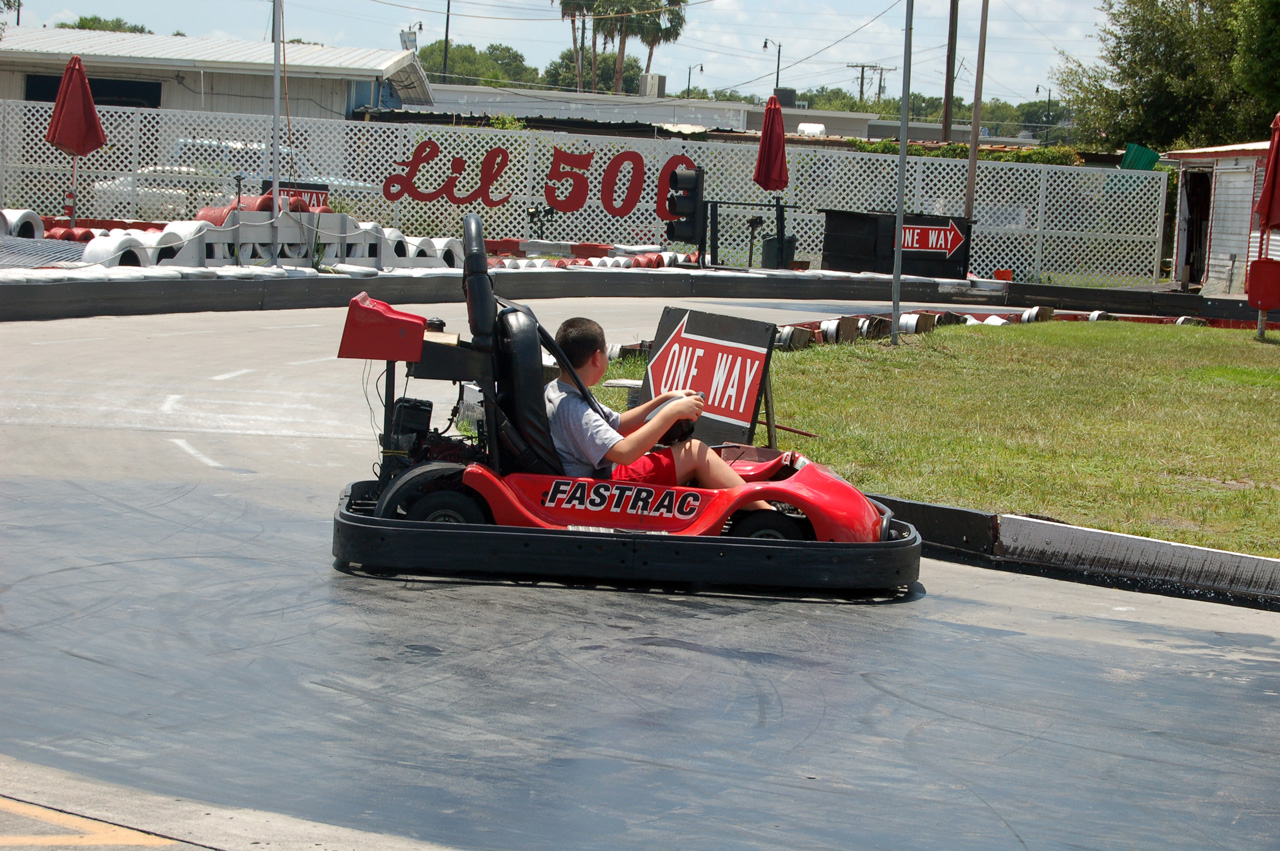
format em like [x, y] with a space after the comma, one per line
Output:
[641, 440]
[633, 418]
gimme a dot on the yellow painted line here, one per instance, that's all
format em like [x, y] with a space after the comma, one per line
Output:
[87, 832]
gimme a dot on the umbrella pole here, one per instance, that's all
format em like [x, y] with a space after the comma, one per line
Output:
[779, 257]
[1264, 249]
[72, 194]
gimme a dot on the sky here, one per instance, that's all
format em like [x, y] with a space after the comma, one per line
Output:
[1026, 39]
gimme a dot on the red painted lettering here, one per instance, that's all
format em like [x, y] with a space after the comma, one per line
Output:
[609, 186]
[563, 164]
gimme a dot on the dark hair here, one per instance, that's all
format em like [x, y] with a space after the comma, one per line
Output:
[579, 338]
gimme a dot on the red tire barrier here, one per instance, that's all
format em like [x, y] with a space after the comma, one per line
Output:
[590, 249]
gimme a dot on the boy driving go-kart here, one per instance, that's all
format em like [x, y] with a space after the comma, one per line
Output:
[519, 497]
[608, 445]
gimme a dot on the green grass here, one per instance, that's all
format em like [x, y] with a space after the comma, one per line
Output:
[1155, 430]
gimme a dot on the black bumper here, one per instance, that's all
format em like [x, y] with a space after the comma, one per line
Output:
[624, 559]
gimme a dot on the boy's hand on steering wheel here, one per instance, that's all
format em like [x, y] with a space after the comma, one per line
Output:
[690, 406]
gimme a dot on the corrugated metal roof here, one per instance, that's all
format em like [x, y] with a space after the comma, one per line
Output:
[105, 50]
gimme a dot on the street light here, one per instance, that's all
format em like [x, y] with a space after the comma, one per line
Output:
[689, 82]
[1048, 111]
[777, 73]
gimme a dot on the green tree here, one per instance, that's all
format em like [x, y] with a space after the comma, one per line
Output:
[1165, 78]
[1257, 30]
[735, 96]
[94, 22]
[561, 74]
[497, 65]
[511, 63]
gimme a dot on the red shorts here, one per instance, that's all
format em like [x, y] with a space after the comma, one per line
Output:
[653, 468]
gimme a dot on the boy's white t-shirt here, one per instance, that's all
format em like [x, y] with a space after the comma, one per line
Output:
[581, 436]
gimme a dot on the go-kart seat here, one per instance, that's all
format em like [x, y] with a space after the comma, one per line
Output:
[518, 373]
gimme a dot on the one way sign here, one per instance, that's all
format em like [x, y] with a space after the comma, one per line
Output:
[724, 357]
[931, 238]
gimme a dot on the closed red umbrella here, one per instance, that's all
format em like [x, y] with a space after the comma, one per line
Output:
[771, 172]
[771, 162]
[1268, 206]
[1263, 282]
[74, 128]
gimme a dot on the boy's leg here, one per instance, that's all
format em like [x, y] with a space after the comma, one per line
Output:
[696, 462]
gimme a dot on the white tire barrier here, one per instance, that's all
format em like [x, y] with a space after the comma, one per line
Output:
[420, 246]
[449, 250]
[396, 244]
[110, 251]
[22, 223]
[160, 245]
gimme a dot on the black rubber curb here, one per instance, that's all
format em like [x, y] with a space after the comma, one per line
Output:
[44, 300]
[1044, 547]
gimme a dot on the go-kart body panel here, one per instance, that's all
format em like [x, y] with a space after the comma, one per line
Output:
[837, 510]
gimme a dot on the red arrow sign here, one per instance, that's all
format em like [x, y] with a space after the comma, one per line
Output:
[932, 238]
[728, 373]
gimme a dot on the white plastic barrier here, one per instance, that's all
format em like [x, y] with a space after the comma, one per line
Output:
[23, 223]
[449, 250]
[119, 250]
[397, 245]
[161, 246]
[420, 247]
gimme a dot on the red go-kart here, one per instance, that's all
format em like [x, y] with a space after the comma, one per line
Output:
[499, 505]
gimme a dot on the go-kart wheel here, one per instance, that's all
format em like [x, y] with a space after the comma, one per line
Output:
[445, 506]
[767, 524]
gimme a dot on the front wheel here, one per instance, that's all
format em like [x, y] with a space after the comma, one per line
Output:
[770, 525]
[445, 506]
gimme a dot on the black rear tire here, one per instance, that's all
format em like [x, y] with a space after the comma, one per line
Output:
[770, 525]
[445, 506]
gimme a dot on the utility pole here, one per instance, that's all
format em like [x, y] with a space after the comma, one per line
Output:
[975, 126]
[862, 77]
[880, 90]
[949, 90]
[448, 9]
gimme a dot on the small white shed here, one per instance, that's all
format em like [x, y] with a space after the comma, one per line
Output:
[208, 74]
[1216, 237]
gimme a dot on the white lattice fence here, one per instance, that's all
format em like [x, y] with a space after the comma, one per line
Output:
[1063, 224]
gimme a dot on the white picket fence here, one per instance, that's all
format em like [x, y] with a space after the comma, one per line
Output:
[1048, 223]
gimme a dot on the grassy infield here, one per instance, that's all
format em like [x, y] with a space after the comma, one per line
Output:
[1156, 430]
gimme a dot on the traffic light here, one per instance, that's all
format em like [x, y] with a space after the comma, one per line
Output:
[685, 201]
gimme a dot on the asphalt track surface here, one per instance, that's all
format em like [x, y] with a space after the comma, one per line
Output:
[170, 621]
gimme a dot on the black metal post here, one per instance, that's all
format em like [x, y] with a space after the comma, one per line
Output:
[448, 10]
[713, 231]
[779, 257]
[388, 409]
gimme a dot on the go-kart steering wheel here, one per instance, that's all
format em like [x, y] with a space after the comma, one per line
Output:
[680, 429]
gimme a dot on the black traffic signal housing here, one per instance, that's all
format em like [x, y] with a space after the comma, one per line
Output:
[685, 201]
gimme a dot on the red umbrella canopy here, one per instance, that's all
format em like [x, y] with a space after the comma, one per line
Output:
[771, 162]
[75, 128]
[1268, 206]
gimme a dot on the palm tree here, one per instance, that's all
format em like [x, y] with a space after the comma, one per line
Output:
[617, 21]
[662, 27]
[573, 10]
